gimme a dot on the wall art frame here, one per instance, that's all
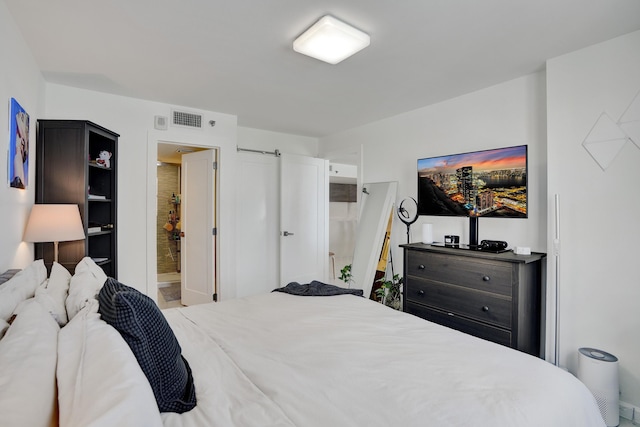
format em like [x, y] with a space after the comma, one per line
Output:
[18, 146]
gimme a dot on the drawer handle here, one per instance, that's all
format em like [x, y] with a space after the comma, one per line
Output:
[485, 308]
[421, 267]
[421, 292]
[486, 278]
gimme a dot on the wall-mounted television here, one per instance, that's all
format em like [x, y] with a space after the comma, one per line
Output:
[487, 183]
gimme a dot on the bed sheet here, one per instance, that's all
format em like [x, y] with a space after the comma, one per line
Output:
[226, 397]
[279, 359]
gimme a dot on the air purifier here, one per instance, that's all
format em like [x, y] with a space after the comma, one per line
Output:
[598, 370]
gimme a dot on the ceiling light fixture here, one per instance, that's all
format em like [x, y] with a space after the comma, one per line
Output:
[331, 40]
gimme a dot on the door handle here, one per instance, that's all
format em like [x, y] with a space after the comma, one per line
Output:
[286, 233]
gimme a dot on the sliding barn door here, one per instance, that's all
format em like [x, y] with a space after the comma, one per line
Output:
[276, 194]
[304, 218]
[257, 224]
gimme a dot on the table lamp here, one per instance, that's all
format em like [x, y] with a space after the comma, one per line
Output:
[54, 223]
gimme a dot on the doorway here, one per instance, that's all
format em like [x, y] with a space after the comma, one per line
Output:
[282, 217]
[344, 209]
[169, 253]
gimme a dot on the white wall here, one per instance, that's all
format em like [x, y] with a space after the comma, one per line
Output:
[512, 113]
[133, 119]
[600, 230]
[20, 78]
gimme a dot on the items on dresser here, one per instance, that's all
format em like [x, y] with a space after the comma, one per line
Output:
[451, 239]
[493, 245]
[492, 296]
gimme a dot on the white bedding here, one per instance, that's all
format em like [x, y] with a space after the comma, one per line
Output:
[283, 360]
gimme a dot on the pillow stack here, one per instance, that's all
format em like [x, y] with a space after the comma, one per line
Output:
[32, 310]
[115, 362]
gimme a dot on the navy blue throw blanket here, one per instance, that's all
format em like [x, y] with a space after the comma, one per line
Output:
[316, 289]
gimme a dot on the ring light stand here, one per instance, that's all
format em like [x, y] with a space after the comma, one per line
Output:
[406, 217]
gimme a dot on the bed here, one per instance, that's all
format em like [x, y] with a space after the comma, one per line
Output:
[347, 361]
[315, 361]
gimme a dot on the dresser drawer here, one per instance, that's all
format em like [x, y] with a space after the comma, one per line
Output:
[474, 273]
[482, 306]
[462, 324]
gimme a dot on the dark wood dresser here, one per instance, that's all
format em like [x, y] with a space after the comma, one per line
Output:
[494, 296]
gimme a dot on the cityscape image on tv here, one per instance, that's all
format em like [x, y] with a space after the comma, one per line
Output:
[490, 183]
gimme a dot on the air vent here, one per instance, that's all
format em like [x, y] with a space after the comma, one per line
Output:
[182, 118]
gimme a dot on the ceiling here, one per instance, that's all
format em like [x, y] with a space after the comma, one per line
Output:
[236, 56]
[172, 153]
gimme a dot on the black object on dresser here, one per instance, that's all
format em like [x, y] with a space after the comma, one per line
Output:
[492, 296]
[67, 172]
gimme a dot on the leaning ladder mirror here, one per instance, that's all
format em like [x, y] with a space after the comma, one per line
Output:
[377, 202]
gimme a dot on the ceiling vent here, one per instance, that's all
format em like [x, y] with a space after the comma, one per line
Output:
[182, 118]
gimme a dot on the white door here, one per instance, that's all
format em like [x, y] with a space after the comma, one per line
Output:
[304, 216]
[257, 224]
[197, 245]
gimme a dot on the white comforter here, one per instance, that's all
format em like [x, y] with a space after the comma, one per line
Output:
[283, 360]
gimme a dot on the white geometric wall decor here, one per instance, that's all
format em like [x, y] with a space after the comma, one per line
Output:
[630, 120]
[604, 141]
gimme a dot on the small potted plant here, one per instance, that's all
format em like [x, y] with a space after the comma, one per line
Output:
[345, 274]
[390, 291]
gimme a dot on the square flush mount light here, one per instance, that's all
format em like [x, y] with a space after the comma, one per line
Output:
[331, 40]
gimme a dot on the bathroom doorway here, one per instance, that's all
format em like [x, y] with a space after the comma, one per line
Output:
[168, 222]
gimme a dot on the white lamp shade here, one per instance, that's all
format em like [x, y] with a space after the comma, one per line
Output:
[331, 40]
[54, 223]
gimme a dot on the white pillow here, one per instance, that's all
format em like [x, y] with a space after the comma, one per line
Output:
[20, 287]
[28, 354]
[84, 285]
[99, 380]
[52, 294]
